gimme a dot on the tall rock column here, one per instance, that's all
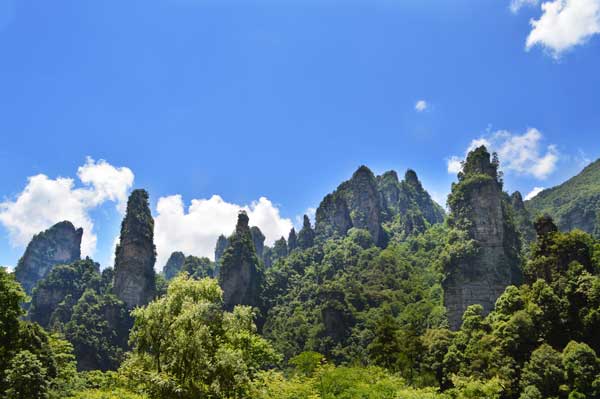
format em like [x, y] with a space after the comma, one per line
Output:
[135, 280]
[241, 275]
[60, 244]
[483, 245]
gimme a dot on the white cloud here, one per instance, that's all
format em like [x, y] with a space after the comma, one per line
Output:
[45, 201]
[195, 232]
[454, 164]
[564, 24]
[421, 105]
[522, 154]
[516, 5]
[533, 193]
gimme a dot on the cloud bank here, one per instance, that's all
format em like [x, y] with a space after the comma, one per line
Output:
[45, 201]
[195, 231]
[564, 24]
[520, 154]
[533, 193]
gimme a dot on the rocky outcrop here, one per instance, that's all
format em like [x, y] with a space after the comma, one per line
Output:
[240, 275]
[355, 203]
[60, 244]
[382, 205]
[485, 259]
[306, 236]
[135, 280]
[222, 243]
[522, 218]
[258, 239]
[292, 241]
[174, 265]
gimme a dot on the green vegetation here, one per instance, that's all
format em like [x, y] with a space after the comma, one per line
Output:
[573, 204]
[317, 316]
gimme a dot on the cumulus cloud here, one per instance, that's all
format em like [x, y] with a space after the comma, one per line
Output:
[533, 193]
[421, 105]
[564, 24]
[195, 231]
[516, 5]
[521, 154]
[45, 201]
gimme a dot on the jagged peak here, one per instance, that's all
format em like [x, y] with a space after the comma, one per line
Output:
[363, 171]
[306, 222]
[390, 175]
[479, 161]
[242, 222]
[411, 178]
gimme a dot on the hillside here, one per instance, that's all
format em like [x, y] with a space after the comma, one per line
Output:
[573, 204]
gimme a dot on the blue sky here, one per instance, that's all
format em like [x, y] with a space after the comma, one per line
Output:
[279, 99]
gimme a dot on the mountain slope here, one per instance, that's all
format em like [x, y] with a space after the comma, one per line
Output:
[573, 204]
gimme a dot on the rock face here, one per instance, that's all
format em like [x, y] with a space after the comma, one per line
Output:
[240, 276]
[306, 236]
[135, 280]
[258, 239]
[355, 203]
[60, 244]
[381, 205]
[222, 244]
[480, 215]
[522, 218]
[292, 241]
[174, 265]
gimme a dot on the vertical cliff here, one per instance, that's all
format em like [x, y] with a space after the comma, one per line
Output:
[240, 275]
[483, 245]
[174, 265]
[135, 280]
[60, 244]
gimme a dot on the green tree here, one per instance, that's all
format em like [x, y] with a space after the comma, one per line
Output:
[186, 346]
[11, 297]
[581, 367]
[544, 371]
[26, 377]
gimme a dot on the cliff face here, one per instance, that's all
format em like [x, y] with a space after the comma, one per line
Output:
[522, 218]
[240, 275]
[480, 215]
[134, 281]
[382, 205]
[258, 239]
[355, 203]
[60, 244]
[222, 243]
[574, 204]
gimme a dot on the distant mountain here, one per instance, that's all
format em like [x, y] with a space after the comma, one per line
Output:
[573, 204]
[383, 205]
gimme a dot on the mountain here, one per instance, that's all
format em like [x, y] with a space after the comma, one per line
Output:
[60, 244]
[383, 205]
[575, 204]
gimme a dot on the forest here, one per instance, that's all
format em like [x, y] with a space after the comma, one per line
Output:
[386, 294]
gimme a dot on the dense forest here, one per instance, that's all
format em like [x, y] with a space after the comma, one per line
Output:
[385, 295]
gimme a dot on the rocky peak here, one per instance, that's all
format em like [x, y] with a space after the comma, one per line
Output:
[60, 244]
[355, 203]
[135, 280]
[479, 210]
[258, 238]
[174, 265]
[522, 217]
[306, 236]
[292, 240]
[516, 200]
[410, 177]
[240, 275]
[222, 243]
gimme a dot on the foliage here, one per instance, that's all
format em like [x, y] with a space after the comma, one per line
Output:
[573, 204]
[186, 346]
